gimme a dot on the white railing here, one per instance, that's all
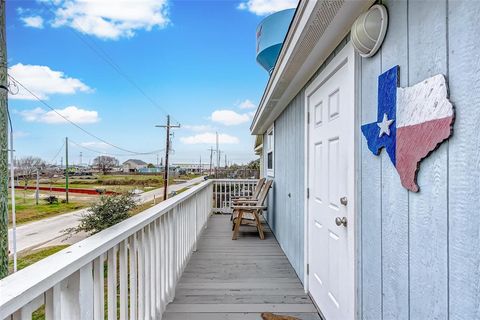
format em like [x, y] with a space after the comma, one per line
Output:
[224, 189]
[128, 271]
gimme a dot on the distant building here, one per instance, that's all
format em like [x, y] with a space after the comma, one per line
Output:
[133, 165]
[190, 167]
[151, 170]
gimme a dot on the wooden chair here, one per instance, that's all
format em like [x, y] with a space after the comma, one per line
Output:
[248, 212]
[238, 200]
[253, 195]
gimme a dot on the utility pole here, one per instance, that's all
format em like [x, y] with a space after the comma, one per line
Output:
[167, 151]
[37, 189]
[226, 161]
[12, 201]
[66, 169]
[200, 169]
[211, 159]
[3, 147]
[80, 159]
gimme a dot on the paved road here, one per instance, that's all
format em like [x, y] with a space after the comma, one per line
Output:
[35, 234]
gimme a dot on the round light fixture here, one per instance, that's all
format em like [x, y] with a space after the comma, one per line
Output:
[368, 31]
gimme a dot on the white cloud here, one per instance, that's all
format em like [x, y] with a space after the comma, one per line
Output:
[95, 144]
[109, 19]
[20, 134]
[247, 104]
[198, 128]
[264, 7]
[43, 81]
[33, 21]
[229, 117]
[210, 138]
[72, 113]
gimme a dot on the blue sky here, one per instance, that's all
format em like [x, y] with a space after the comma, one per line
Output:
[196, 59]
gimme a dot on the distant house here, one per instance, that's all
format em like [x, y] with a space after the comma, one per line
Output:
[133, 165]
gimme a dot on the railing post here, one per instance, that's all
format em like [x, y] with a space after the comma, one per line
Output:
[196, 224]
[174, 235]
[123, 269]
[158, 271]
[99, 288]
[53, 303]
[69, 289]
[86, 292]
[132, 249]
[112, 283]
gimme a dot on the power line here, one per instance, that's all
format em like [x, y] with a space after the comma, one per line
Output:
[59, 150]
[108, 153]
[99, 51]
[74, 124]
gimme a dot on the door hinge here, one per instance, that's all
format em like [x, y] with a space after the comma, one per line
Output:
[308, 268]
[308, 117]
[308, 193]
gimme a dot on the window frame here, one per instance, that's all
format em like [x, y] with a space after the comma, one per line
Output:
[271, 149]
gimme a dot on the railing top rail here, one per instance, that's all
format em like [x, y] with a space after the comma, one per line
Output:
[234, 180]
[25, 285]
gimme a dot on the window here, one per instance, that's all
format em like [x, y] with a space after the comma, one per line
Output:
[270, 151]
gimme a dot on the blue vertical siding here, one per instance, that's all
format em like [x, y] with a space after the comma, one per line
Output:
[285, 206]
[419, 251]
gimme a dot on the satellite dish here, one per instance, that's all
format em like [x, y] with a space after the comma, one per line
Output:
[368, 31]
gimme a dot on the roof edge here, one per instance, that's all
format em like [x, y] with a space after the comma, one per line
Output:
[294, 80]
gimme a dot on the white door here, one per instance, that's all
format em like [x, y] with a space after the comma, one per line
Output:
[331, 178]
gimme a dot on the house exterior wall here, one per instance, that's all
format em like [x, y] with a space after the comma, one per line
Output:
[418, 253]
[285, 203]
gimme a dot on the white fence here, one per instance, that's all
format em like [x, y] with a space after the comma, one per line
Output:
[128, 271]
[224, 189]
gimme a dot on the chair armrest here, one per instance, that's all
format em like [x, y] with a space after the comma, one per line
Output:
[240, 198]
[249, 207]
[243, 203]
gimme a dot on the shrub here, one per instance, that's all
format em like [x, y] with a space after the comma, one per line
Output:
[51, 200]
[108, 211]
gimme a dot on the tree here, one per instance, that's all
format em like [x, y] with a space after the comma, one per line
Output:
[105, 163]
[53, 175]
[108, 211]
[255, 165]
[27, 168]
[150, 165]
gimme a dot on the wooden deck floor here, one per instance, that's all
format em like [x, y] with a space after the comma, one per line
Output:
[235, 280]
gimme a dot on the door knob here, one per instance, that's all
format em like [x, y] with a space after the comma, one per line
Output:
[344, 200]
[341, 221]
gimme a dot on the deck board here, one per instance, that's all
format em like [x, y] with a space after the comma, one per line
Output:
[232, 280]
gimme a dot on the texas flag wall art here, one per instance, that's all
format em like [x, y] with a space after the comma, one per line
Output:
[411, 122]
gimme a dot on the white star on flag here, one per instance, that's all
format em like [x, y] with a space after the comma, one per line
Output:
[384, 126]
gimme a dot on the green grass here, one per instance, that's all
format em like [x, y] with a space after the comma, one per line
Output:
[27, 210]
[119, 183]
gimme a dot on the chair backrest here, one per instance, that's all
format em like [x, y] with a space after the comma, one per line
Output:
[263, 194]
[258, 188]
